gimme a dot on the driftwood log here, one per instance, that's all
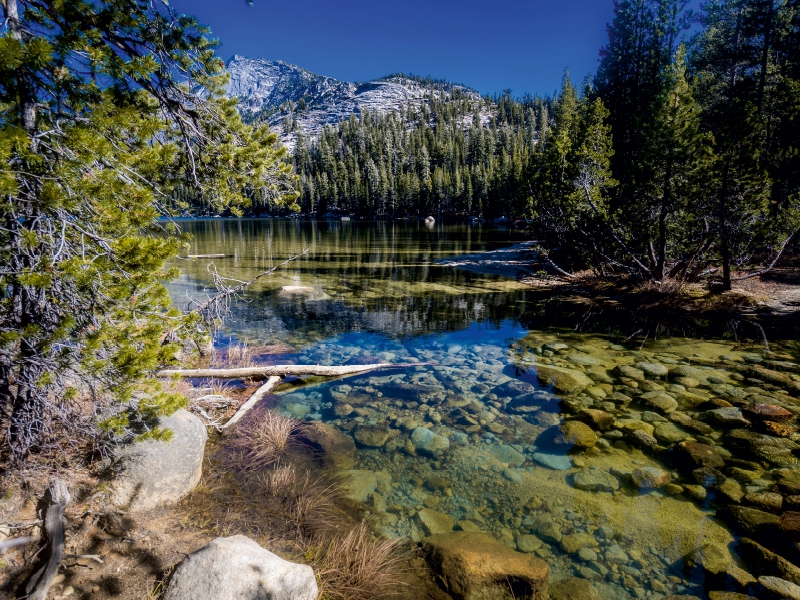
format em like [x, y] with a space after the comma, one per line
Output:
[282, 370]
[41, 580]
[254, 399]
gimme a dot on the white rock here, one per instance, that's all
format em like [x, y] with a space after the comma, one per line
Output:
[152, 473]
[237, 568]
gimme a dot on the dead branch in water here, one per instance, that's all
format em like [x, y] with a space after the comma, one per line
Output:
[41, 580]
[283, 370]
[216, 307]
[254, 399]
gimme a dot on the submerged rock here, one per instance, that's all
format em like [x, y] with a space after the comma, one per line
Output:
[650, 478]
[615, 555]
[785, 590]
[630, 372]
[549, 531]
[762, 561]
[729, 417]
[668, 433]
[359, 484]
[652, 369]
[557, 462]
[567, 381]
[778, 451]
[528, 543]
[659, 400]
[329, 445]
[575, 541]
[709, 558]
[751, 522]
[768, 501]
[599, 419]
[767, 412]
[425, 440]
[572, 588]
[237, 568]
[595, 480]
[434, 522]
[576, 433]
[475, 566]
[508, 455]
[692, 455]
[371, 435]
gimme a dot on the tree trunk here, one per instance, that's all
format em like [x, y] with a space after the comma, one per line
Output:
[662, 224]
[762, 80]
[725, 250]
[27, 99]
[282, 370]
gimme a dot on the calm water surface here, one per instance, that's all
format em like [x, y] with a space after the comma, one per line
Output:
[478, 441]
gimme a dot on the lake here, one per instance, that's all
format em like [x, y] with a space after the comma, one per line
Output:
[611, 447]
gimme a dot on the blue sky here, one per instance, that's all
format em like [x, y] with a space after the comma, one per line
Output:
[491, 46]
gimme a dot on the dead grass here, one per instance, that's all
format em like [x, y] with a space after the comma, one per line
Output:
[262, 441]
[238, 355]
[356, 566]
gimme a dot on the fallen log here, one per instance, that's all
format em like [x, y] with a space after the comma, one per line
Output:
[40, 581]
[254, 399]
[283, 370]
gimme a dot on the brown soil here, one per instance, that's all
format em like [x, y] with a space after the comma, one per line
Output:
[139, 551]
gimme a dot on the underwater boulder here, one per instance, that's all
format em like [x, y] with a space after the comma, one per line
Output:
[567, 381]
[475, 566]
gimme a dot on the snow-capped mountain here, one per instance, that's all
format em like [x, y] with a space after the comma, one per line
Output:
[283, 93]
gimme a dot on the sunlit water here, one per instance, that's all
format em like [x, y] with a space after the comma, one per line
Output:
[470, 440]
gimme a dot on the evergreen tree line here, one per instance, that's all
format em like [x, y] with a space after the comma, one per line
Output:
[455, 153]
[678, 159]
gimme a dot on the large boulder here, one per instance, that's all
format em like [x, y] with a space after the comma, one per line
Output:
[475, 566]
[237, 568]
[153, 473]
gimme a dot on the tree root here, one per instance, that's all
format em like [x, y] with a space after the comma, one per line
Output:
[41, 580]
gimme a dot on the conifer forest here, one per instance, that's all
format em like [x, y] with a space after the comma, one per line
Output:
[679, 155]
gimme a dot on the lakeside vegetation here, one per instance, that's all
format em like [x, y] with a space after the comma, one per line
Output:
[678, 158]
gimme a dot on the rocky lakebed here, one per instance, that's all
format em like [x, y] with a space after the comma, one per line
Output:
[650, 472]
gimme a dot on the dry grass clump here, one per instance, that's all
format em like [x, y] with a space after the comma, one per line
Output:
[262, 441]
[356, 566]
[238, 355]
[308, 503]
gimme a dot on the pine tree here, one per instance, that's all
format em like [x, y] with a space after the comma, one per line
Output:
[91, 163]
[674, 161]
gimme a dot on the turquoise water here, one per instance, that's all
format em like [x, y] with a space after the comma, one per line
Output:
[532, 419]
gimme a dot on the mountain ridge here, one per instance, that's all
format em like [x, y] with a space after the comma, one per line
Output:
[294, 100]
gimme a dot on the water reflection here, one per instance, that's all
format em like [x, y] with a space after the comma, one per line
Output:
[633, 465]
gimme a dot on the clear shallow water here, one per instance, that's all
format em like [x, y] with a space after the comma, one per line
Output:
[474, 441]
